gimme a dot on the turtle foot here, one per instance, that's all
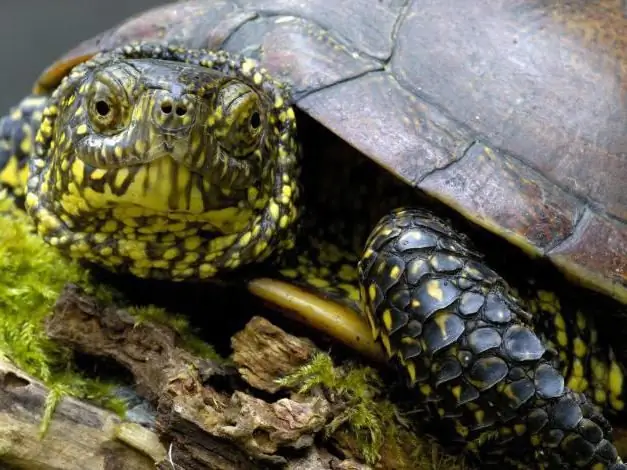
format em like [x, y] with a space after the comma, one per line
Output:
[470, 351]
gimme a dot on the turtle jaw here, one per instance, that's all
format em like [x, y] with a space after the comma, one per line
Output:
[165, 198]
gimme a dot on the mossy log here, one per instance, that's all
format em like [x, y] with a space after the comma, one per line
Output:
[210, 415]
[80, 436]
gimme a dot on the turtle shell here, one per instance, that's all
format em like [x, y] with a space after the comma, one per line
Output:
[512, 113]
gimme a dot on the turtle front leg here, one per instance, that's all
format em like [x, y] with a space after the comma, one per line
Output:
[18, 130]
[470, 351]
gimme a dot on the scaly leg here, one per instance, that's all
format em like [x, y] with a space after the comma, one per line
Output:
[470, 351]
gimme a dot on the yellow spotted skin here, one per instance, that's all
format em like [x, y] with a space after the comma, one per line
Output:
[185, 165]
[166, 171]
[17, 139]
[584, 358]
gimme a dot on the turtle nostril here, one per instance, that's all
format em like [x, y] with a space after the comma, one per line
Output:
[166, 107]
[181, 110]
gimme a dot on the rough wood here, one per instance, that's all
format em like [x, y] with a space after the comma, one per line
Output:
[264, 352]
[80, 435]
[207, 415]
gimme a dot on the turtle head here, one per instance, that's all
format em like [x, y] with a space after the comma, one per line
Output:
[166, 162]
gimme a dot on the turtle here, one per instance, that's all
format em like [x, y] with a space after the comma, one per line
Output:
[339, 159]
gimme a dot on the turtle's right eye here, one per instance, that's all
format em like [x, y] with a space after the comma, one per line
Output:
[107, 107]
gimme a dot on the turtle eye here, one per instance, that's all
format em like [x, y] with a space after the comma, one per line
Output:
[255, 120]
[106, 108]
[243, 119]
[103, 108]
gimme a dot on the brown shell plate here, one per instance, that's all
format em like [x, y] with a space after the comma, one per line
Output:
[512, 112]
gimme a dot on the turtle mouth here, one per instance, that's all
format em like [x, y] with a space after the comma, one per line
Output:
[160, 186]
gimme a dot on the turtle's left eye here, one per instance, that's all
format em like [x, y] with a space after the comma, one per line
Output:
[107, 107]
[255, 120]
[243, 119]
[103, 108]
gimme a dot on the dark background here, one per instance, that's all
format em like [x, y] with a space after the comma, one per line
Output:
[33, 33]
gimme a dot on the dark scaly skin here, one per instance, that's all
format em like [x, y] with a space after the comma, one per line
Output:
[470, 350]
[90, 194]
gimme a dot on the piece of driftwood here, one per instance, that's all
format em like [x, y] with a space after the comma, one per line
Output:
[211, 415]
[81, 436]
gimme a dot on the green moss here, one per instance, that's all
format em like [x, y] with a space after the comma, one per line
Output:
[32, 275]
[179, 324]
[375, 424]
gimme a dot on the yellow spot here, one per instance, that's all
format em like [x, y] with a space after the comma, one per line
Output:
[25, 145]
[580, 348]
[372, 292]
[100, 237]
[290, 273]
[562, 338]
[461, 429]
[106, 251]
[110, 226]
[440, 321]
[170, 253]
[140, 146]
[192, 243]
[81, 129]
[411, 370]
[317, 282]
[97, 174]
[273, 207]
[615, 379]
[581, 320]
[245, 239]
[385, 339]
[387, 319]
[434, 290]
[536, 440]
[248, 66]
[77, 171]
[10, 173]
[617, 403]
[347, 273]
